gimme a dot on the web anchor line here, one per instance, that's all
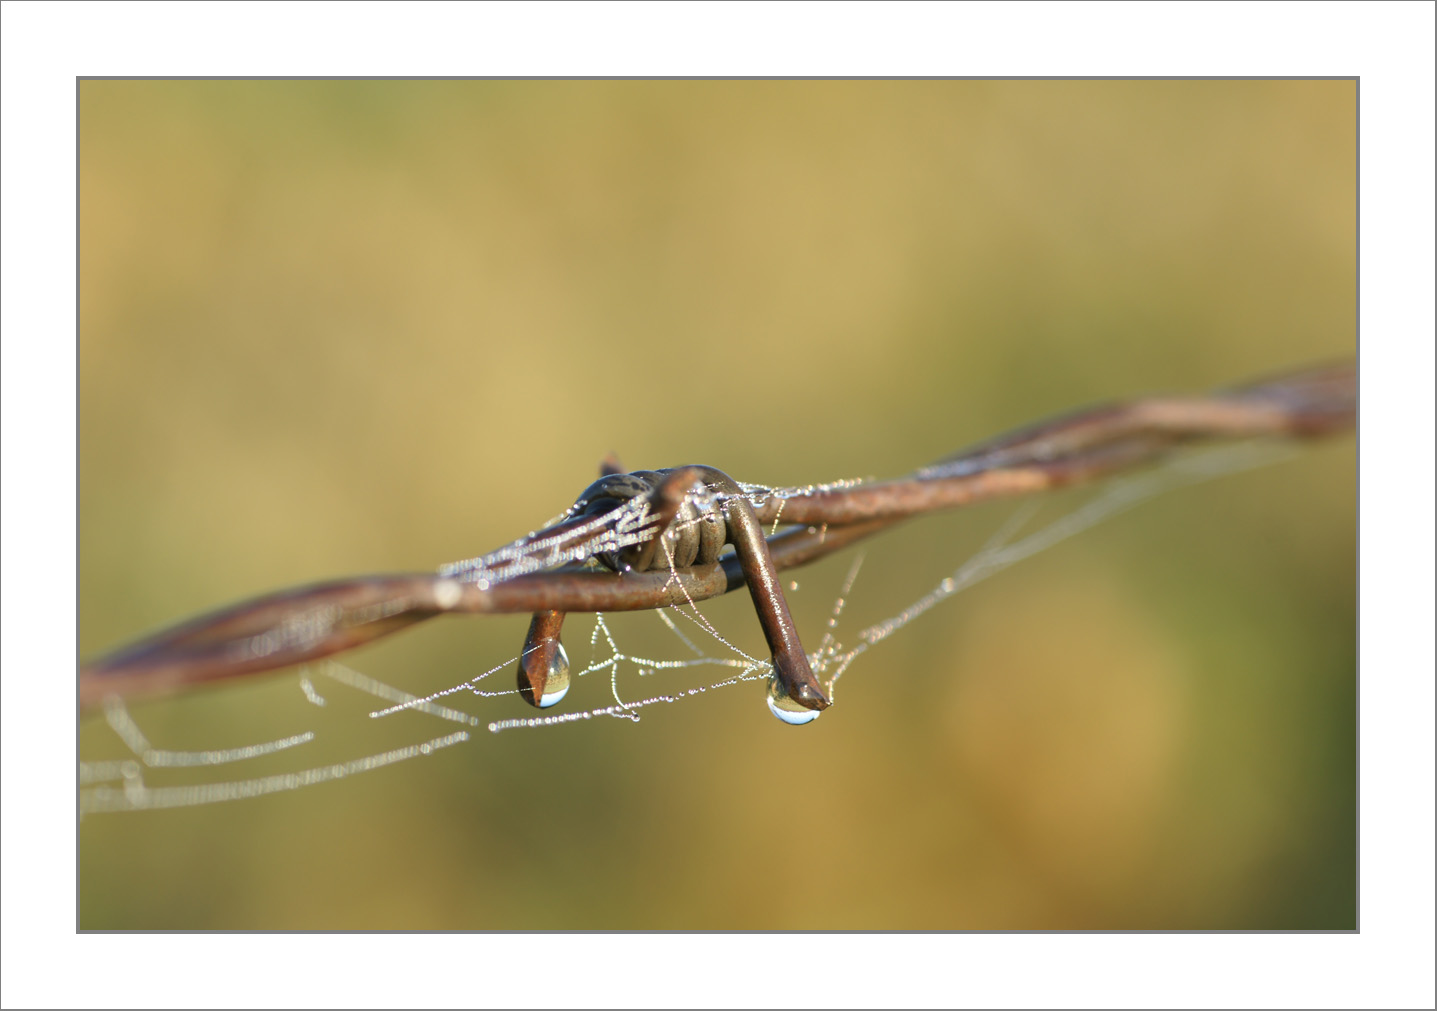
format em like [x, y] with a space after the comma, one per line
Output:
[660, 535]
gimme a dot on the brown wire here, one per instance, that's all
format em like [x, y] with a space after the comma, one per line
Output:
[307, 623]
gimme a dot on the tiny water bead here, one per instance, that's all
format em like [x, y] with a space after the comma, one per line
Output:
[785, 708]
[544, 674]
[556, 683]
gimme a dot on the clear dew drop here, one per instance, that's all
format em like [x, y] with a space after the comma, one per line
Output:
[556, 683]
[447, 593]
[785, 708]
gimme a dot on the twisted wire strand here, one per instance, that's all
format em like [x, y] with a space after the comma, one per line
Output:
[306, 623]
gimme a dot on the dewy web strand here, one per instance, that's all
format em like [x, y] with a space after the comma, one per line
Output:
[831, 658]
[615, 526]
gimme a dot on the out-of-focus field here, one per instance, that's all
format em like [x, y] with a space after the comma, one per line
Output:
[346, 327]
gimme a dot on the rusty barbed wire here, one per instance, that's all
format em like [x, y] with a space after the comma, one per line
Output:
[310, 622]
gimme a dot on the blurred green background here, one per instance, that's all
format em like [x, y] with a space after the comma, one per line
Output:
[344, 327]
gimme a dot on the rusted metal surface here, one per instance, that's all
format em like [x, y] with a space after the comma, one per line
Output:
[308, 623]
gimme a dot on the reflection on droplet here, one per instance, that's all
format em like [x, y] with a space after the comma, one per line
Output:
[556, 683]
[785, 708]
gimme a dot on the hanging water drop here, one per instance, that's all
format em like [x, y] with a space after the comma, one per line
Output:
[556, 684]
[544, 665]
[786, 708]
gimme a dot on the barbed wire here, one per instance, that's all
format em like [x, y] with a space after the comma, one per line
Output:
[544, 571]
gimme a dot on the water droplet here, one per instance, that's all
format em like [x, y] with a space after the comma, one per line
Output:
[947, 585]
[447, 593]
[793, 586]
[556, 683]
[785, 708]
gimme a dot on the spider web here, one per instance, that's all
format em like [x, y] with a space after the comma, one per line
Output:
[121, 785]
